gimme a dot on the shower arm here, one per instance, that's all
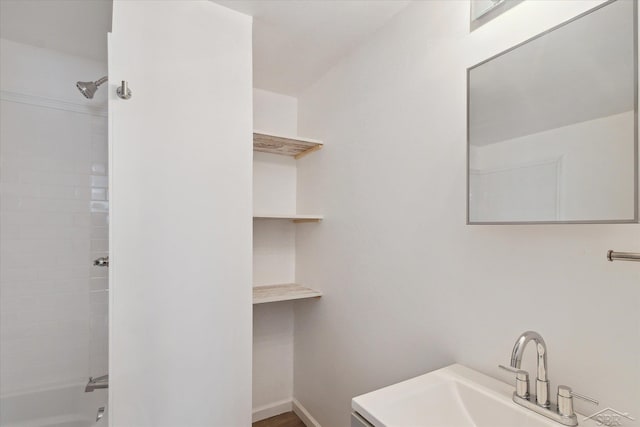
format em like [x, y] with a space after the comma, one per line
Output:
[102, 80]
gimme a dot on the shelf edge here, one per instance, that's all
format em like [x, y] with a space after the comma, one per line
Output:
[288, 294]
[292, 217]
[294, 138]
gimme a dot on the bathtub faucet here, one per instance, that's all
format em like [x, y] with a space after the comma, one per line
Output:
[96, 383]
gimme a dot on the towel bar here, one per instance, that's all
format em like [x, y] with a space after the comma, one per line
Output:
[622, 256]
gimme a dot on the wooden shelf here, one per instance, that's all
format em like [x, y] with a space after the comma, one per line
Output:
[293, 217]
[284, 146]
[286, 292]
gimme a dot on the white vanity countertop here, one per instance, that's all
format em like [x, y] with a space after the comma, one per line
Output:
[452, 396]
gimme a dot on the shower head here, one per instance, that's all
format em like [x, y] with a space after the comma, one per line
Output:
[88, 89]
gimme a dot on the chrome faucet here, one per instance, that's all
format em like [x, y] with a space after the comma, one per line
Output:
[542, 383]
[563, 411]
[97, 383]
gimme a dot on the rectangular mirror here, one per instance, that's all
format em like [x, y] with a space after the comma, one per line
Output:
[552, 125]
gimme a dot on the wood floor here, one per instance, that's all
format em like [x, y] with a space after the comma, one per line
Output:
[288, 419]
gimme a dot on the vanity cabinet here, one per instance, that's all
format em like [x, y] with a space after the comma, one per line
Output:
[358, 421]
[292, 147]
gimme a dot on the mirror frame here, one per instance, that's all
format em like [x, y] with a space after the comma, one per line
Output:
[491, 13]
[636, 218]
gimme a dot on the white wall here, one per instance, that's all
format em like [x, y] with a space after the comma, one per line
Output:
[180, 189]
[31, 70]
[595, 157]
[408, 287]
[274, 191]
[53, 221]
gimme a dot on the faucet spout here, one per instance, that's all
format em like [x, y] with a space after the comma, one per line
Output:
[541, 349]
[542, 383]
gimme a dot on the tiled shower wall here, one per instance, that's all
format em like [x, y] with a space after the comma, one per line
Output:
[53, 223]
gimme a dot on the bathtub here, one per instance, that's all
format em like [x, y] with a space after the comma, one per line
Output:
[67, 406]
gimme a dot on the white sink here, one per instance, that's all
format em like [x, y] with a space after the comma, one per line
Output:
[453, 396]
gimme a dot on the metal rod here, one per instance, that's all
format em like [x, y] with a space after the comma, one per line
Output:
[101, 80]
[623, 256]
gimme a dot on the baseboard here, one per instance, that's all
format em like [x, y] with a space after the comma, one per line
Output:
[304, 415]
[271, 410]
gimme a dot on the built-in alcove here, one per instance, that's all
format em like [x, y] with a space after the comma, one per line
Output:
[276, 221]
[296, 148]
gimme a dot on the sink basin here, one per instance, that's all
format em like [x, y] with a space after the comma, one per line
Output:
[452, 396]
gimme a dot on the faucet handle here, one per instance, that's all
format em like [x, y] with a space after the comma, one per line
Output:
[522, 380]
[565, 400]
[565, 391]
[520, 373]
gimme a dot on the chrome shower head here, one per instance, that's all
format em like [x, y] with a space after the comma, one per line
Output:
[88, 89]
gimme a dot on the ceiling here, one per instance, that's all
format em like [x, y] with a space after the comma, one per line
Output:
[294, 41]
[76, 27]
[579, 72]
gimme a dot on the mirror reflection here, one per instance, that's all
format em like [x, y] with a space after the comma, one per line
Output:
[552, 125]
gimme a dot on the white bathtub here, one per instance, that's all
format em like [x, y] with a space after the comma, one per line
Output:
[67, 406]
